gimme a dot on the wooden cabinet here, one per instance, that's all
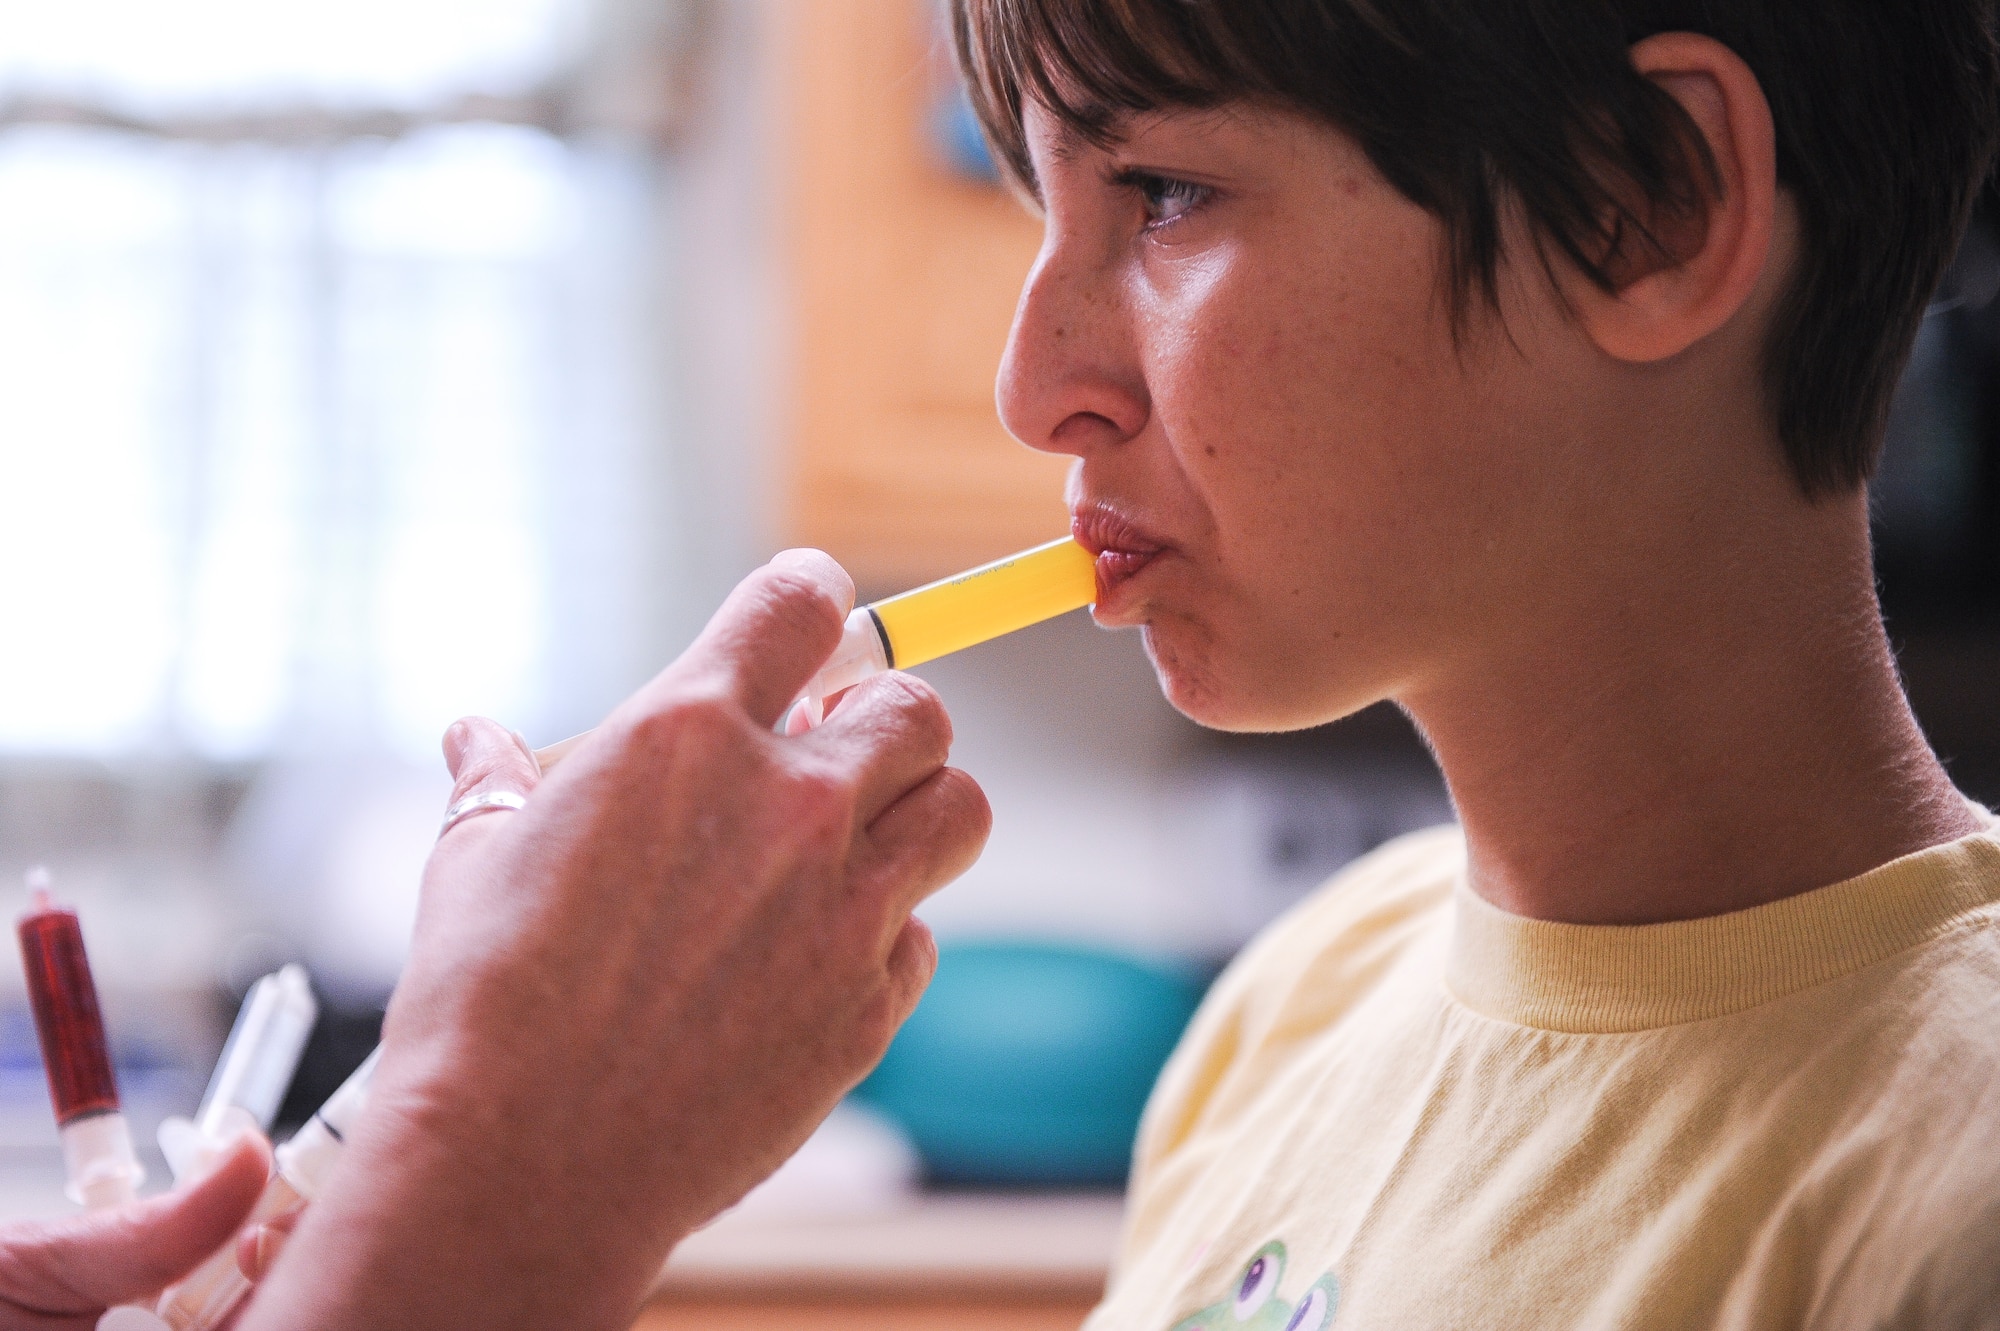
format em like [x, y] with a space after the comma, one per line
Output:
[940, 1262]
[901, 285]
[881, 1313]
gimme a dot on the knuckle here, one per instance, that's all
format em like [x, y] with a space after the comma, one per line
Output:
[820, 799]
[696, 716]
[869, 896]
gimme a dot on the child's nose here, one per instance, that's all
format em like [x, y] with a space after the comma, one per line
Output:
[1071, 380]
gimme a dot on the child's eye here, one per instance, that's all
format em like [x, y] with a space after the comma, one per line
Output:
[1165, 198]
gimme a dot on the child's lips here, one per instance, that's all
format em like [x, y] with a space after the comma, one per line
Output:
[1117, 567]
[1121, 547]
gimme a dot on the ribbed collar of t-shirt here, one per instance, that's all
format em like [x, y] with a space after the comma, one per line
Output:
[1597, 979]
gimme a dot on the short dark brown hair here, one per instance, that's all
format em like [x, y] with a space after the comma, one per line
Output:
[1885, 113]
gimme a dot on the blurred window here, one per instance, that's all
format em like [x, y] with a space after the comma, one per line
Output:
[313, 381]
[201, 54]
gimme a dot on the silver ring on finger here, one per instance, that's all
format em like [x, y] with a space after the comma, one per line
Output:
[487, 801]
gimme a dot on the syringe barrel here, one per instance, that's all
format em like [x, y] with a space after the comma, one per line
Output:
[935, 620]
[308, 1158]
[262, 1051]
[96, 1143]
[67, 1018]
[969, 608]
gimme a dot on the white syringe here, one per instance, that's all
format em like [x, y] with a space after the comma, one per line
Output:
[262, 1051]
[253, 1073]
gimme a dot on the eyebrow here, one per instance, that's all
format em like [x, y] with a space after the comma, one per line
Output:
[1068, 142]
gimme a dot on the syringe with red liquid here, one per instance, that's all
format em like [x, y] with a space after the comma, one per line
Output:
[96, 1143]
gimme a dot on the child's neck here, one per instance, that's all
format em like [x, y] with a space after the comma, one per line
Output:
[1717, 729]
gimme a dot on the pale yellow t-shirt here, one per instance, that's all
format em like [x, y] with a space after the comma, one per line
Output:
[1404, 1108]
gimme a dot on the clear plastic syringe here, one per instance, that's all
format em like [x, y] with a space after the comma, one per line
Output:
[303, 1166]
[251, 1077]
[936, 620]
[262, 1052]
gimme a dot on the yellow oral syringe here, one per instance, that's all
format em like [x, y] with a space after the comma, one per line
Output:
[936, 620]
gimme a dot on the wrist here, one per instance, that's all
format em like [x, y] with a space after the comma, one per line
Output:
[442, 1214]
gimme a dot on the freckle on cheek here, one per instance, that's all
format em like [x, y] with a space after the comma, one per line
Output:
[1210, 450]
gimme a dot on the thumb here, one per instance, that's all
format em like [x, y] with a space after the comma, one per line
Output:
[86, 1263]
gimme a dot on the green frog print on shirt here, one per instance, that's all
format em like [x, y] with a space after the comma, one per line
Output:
[1254, 1303]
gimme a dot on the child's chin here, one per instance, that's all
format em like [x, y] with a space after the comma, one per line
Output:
[1191, 684]
[1209, 689]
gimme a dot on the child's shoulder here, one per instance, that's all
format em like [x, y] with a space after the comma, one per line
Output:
[1400, 881]
[1351, 925]
[1308, 968]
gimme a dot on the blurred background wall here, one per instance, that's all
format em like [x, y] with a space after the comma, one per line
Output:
[337, 363]
[367, 365]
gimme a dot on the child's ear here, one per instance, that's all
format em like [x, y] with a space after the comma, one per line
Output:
[1691, 268]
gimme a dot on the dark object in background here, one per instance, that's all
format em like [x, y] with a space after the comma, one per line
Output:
[345, 1035]
[1935, 502]
[1029, 1063]
[1935, 497]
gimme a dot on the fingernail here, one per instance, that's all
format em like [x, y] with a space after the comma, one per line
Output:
[522, 740]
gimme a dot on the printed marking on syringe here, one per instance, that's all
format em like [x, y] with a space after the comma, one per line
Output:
[964, 578]
[331, 1131]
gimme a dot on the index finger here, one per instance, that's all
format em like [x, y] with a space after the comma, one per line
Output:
[773, 633]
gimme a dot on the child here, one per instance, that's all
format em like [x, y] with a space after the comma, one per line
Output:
[1523, 362]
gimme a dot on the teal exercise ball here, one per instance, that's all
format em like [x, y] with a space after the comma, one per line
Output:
[1029, 1063]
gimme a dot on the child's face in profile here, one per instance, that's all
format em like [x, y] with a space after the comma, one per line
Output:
[1313, 497]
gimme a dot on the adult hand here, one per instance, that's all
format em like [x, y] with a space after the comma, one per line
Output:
[65, 1273]
[628, 1002]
